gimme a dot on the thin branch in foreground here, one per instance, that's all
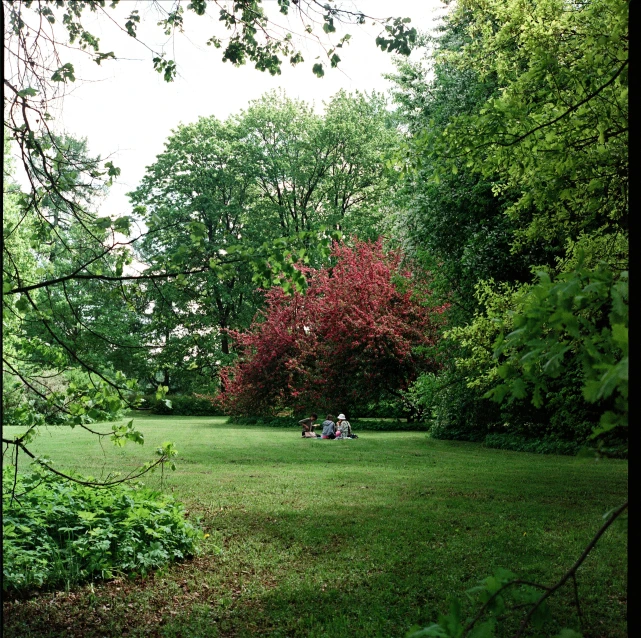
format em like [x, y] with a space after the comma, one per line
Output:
[572, 571]
[130, 477]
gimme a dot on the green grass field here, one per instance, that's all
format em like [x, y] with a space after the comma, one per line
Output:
[343, 538]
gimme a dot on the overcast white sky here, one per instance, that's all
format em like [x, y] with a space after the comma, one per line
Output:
[126, 111]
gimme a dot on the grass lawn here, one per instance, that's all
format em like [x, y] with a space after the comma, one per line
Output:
[343, 538]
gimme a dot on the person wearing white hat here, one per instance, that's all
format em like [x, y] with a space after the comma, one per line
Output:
[343, 426]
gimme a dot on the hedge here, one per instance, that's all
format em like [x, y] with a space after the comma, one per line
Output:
[181, 405]
[357, 426]
[546, 445]
[612, 447]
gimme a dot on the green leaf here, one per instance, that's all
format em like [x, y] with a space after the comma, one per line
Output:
[65, 73]
[103, 222]
[541, 616]
[433, 631]
[518, 388]
[23, 305]
[484, 630]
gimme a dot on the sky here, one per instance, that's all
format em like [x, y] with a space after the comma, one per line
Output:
[126, 111]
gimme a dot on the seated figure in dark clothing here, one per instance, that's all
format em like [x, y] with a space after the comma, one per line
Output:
[308, 426]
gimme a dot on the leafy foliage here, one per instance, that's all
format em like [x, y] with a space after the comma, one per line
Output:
[519, 158]
[223, 191]
[254, 36]
[360, 332]
[58, 533]
[538, 445]
[313, 170]
[456, 411]
[182, 405]
[493, 594]
[565, 316]
[21, 403]
[556, 133]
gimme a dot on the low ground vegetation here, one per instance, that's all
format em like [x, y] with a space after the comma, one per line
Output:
[182, 405]
[57, 533]
[368, 424]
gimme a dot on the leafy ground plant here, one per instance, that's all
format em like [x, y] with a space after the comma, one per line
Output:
[58, 533]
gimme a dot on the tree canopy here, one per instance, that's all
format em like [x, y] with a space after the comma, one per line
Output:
[276, 169]
[361, 331]
[517, 200]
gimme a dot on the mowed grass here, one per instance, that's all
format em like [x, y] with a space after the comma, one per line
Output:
[343, 538]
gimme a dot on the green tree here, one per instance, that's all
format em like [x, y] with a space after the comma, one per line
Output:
[275, 169]
[549, 138]
[54, 331]
[194, 199]
[556, 133]
[328, 169]
[455, 226]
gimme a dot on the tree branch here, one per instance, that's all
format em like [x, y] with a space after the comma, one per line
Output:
[572, 571]
[131, 476]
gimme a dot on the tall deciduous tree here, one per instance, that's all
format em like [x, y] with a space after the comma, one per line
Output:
[360, 332]
[274, 170]
[328, 169]
[550, 139]
[196, 196]
[556, 132]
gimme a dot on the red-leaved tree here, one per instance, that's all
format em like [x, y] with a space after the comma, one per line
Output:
[360, 333]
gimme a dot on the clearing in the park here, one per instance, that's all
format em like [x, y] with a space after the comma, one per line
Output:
[341, 538]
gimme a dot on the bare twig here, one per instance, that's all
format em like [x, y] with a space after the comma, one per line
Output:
[572, 571]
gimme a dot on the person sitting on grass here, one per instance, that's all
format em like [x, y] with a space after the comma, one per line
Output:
[344, 429]
[329, 428]
[308, 426]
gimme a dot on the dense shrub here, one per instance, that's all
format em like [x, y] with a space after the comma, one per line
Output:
[48, 391]
[390, 426]
[182, 405]
[461, 414]
[357, 425]
[57, 533]
[518, 443]
[611, 444]
[387, 409]
[13, 397]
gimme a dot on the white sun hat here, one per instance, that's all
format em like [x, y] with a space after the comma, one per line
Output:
[341, 417]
